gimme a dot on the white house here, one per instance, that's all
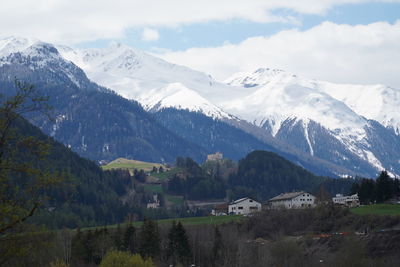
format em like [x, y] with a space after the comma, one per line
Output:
[292, 200]
[244, 206]
[155, 204]
[350, 201]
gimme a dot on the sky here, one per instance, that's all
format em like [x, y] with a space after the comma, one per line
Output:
[344, 41]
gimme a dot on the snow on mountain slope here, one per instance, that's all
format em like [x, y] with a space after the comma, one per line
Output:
[26, 55]
[171, 96]
[280, 98]
[12, 44]
[150, 80]
[328, 121]
[272, 99]
[375, 102]
[282, 102]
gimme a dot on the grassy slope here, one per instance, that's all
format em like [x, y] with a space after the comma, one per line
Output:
[153, 188]
[377, 209]
[177, 200]
[122, 163]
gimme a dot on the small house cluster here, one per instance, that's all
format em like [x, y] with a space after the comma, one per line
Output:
[292, 200]
[246, 206]
[349, 201]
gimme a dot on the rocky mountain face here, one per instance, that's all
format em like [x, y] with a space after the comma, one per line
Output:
[333, 129]
[340, 123]
[91, 120]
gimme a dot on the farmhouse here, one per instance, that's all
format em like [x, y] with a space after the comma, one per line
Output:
[292, 200]
[349, 201]
[244, 206]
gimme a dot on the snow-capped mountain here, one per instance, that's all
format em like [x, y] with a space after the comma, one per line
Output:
[91, 120]
[287, 106]
[155, 83]
[293, 108]
[374, 102]
[12, 44]
[26, 55]
[353, 127]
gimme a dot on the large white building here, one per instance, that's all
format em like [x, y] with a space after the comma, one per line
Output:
[244, 206]
[292, 200]
[350, 201]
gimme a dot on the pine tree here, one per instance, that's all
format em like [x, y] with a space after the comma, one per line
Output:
[128, 242]
[149, 239]
[117, 237]
[384, 189]
[217, 248]
[179, 250]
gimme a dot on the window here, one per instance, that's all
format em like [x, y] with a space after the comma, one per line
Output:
[251, 200]
[240, 208]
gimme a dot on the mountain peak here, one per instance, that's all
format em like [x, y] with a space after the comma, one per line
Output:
[12, 44]
[259, 77]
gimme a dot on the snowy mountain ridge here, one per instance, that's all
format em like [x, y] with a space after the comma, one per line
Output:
[155, 83]
[322, 119]
[344, 110]
[375, 102]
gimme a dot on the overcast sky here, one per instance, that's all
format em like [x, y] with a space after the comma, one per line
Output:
[352, 41]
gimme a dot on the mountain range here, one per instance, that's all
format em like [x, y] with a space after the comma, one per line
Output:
[331, 129]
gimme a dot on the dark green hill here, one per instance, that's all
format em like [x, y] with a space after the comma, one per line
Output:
[87, 196]
[264, 174]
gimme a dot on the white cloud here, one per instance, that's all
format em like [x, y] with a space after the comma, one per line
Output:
[74, 21]
[332, 52]
[150, 35]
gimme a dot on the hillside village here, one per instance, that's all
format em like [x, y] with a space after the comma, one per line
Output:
[156, 181]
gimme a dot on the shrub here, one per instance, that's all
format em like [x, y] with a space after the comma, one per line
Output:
[125, 259]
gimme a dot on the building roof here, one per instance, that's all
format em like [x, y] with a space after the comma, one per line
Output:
[240, 200]
[285, 196]
[223, 207]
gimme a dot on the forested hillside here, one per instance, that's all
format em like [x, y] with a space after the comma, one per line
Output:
[86, 196]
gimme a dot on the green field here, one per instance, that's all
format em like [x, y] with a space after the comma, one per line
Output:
[153, 188]
[177, 200]
[166, 174]
[377, 209]
[213, 220]
[122, 163]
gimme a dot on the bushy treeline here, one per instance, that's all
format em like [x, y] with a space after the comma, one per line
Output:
[377, 191]
[260, 175]
[194, 182]
[324, 236]
[170, 247]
